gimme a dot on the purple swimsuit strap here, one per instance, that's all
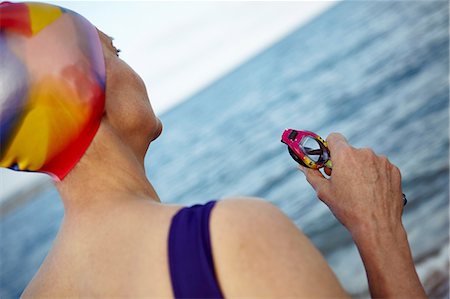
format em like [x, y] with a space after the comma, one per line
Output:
[190, 256]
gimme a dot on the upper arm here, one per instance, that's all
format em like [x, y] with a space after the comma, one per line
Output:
[258, 251]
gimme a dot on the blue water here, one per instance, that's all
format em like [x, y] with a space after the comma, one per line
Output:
[376, 71]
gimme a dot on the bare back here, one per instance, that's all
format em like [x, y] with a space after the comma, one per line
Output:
[124, 254]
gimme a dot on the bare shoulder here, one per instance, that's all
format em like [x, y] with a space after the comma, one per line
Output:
[258, 251]
[240, 217]
[121, 254]
[242, 209]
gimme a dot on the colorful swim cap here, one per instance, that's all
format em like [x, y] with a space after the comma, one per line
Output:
[52, 87]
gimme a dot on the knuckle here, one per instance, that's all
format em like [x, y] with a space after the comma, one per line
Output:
[370, 152]
[324, 194]
[320, 193]
[396, 171]
[367, 152]
[309, 178]
[347, 151]
[384, 160]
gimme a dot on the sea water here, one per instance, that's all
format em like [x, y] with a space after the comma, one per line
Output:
[375, 71]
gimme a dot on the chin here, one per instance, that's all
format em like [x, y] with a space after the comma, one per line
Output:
[158, 130]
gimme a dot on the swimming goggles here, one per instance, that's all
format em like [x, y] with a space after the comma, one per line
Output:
[307, 148]
[310, 150]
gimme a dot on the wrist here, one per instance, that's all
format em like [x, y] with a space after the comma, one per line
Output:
[388, 261]
[378, 233]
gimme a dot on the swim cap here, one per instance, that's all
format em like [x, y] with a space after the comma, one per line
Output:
[52, 87]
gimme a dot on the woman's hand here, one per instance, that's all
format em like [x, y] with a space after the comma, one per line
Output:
[364, 191]
[365, 194]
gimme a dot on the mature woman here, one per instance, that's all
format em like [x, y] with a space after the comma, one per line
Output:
[73, 109]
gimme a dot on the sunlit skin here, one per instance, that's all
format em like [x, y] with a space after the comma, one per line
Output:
[371, 209]
[113, 238]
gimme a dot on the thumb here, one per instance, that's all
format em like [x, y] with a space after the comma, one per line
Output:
[316, 179]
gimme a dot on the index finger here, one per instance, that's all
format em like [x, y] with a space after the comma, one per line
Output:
[336, 142]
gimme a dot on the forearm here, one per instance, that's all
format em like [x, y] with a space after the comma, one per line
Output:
[388, 261]
[364, 192]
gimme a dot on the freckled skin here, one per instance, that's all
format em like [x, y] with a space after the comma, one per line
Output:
[365, 194]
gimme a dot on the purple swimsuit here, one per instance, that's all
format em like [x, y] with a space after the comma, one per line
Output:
[190, 256]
